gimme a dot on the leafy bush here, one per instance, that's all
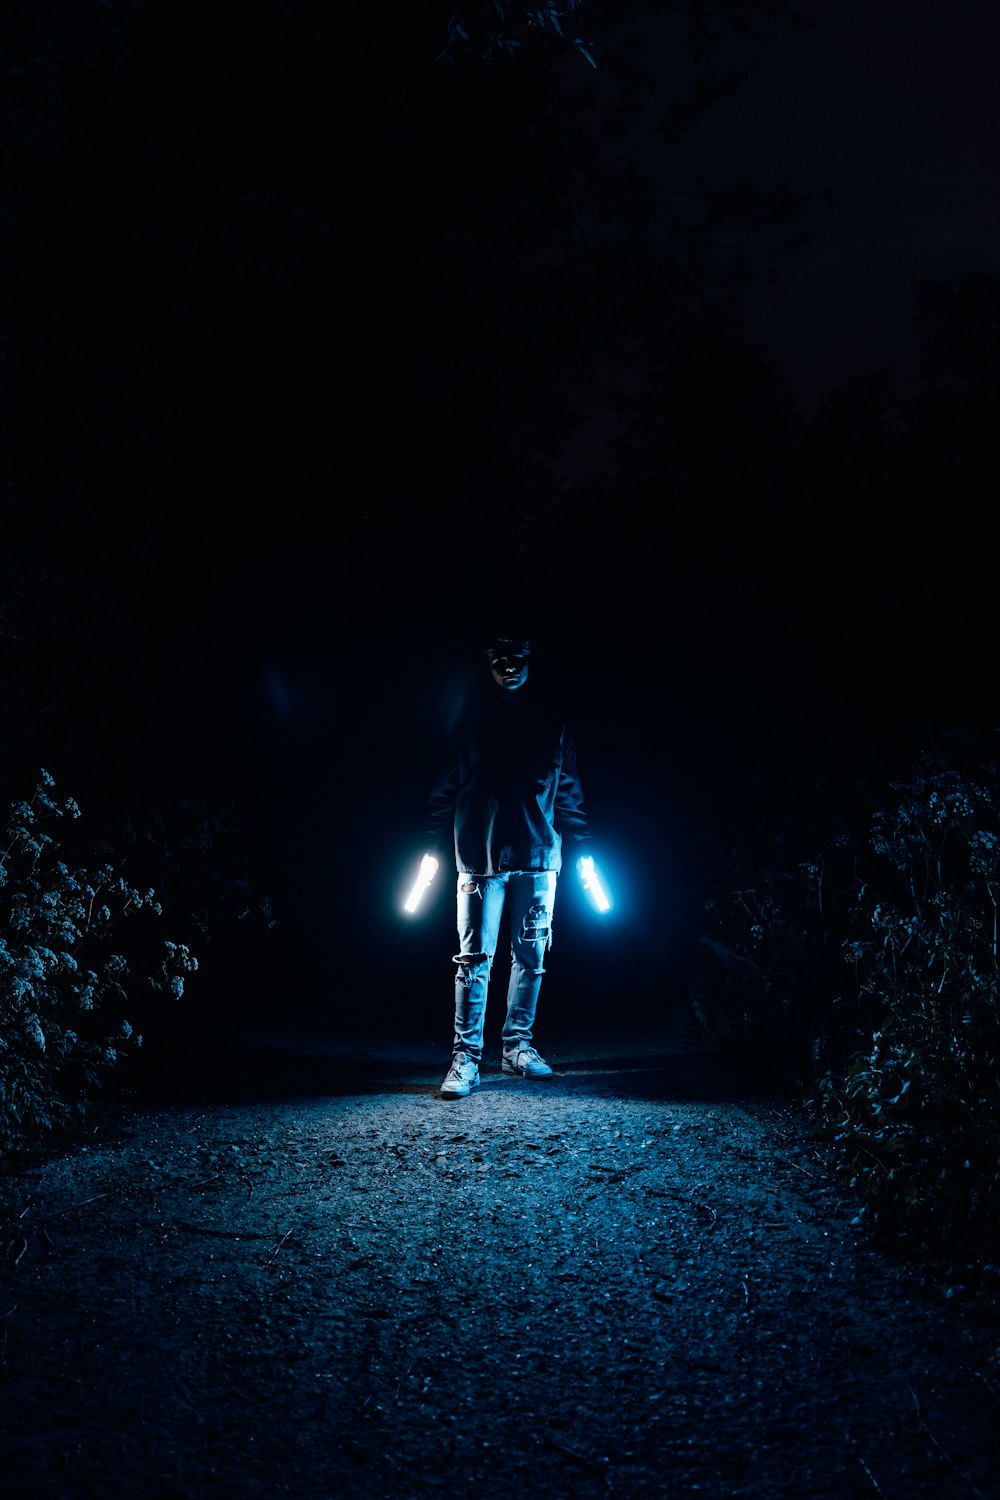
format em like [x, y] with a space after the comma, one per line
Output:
[917, 1109]
[69, 936]
[866, 976]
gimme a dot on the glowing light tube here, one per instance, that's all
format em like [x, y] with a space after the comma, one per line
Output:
[428, 869]
[592, 883]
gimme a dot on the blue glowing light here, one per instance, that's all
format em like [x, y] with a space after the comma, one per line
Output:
[428, 869]
[592, 883]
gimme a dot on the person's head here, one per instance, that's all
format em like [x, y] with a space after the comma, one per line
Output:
[507, 657]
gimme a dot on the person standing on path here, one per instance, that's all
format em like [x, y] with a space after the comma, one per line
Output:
[503, 810]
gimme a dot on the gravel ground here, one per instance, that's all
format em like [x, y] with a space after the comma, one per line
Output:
[625, 1280]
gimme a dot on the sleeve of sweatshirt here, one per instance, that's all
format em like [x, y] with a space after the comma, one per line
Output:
[440, 827]
[571, 815]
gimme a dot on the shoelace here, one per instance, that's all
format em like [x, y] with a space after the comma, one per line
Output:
[522, 1053]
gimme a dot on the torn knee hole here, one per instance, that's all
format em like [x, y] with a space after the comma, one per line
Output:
[470, 967]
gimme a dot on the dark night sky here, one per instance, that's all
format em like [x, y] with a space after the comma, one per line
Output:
[893, 106]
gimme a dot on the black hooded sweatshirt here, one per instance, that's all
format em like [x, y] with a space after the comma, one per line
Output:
[511, 795]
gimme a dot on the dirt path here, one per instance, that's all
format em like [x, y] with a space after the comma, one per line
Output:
[622, 1281]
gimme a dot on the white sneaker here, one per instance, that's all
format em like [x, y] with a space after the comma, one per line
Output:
[462, 1076]
[525, 1060]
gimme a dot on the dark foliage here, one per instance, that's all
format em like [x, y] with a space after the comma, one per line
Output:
[64, 972]
[85, 971]
[857, 966]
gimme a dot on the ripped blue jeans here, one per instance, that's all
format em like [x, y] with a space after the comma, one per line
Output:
[528, 898]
